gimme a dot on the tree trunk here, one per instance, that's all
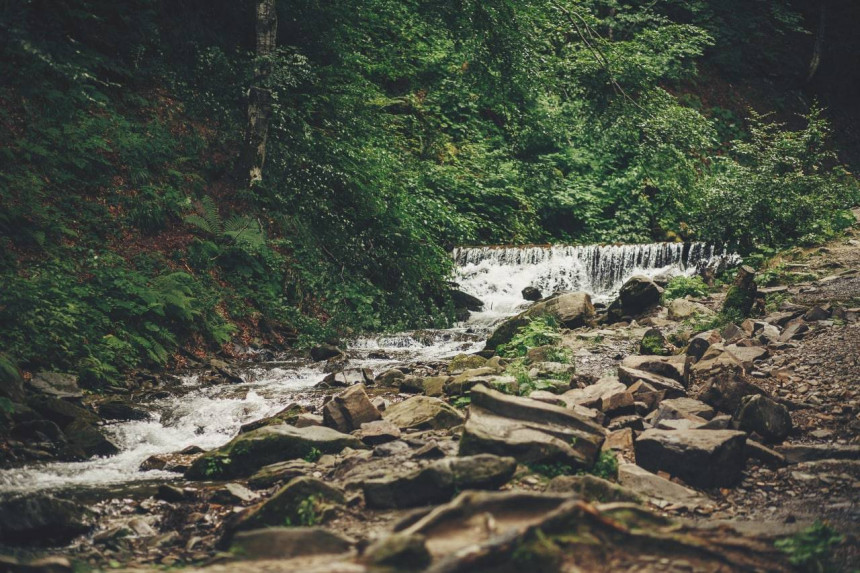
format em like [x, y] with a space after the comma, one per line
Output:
[741, 295]
[819, 42]
[260, 96]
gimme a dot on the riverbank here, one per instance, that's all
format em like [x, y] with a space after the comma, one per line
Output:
[434, 427]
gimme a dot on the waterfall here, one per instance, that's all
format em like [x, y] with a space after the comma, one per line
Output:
[497, 275]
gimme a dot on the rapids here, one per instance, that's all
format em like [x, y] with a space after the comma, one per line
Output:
[208, 416]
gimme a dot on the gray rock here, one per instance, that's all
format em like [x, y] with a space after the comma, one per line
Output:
[305, 420]
[233, 493]
[302, 501]
[41, 519]
[350, 409]
[280, 472]
[794, 330]
[390, 378]
[669, 387]
[423, 413]
[528, 430]
[400, 551]
[763, 416]
[652, 486]
[682, 309]
[287, 542]
[700, 343]
[675, 367]
[571, 310]
[439, 481]
[324, 352]
[378, 432]
[463, 362]
[531, 293]
[56, 384]
[592, 488]
[725, 390]
[638, 294]
[679, 408]
[702, 458]
[121, 410]
[247, 453]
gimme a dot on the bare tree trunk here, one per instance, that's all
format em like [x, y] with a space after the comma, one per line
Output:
[819, 42]
[260, 97]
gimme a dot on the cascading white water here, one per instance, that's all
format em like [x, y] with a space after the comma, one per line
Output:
[497, 275]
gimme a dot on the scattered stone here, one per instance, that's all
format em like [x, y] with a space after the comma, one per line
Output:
[233, 494]
[170, 494]
[280, 472]
[463, 362]
[400, 551]
[702, 458]
[798, 453]
[423, 413]
[531, 293]
[302, 500]
[763, 416]
[305, 420]
[390, 378]
[675, 367]
[247, 453]
[346, 378]
[287, 542]
[439, 481]
[652, 486]
[324, 352]
[683, 408]
[725, 390]
[794, 330]
[670, 387]
[619, 440]
[42, 519]
[465, 300]
[434, 386]
[121, 410]
[682, 309]
[528, 430]
[288, 415]
[378, 432]
[350, 409]
[592, 488]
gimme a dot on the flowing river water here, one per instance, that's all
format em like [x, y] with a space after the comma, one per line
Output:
[210, 415]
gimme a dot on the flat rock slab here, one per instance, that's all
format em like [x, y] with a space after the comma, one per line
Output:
[672, 388]
[654, 487]
[291, 504]
[439, 481]
[247, 453]
[350, 409]
[702, 458]
[675, 367]
[287, 542]
[423, 413]
[529, 430]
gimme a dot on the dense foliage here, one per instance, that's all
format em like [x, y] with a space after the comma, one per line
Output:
[400, 129]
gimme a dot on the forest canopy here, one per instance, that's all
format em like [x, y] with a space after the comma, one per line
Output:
[399, 129]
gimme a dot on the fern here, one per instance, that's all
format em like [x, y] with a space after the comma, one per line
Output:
[240, 230]
[246, 231]
[207, 218]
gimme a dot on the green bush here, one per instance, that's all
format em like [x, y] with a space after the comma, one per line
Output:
[779, 188]
[541, 331]
[681, 286]
[810, 549]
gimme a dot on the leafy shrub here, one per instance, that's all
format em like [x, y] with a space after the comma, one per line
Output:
[681, 286]
[810, 549]
[652, 345]
[779, 188]
[541, 331]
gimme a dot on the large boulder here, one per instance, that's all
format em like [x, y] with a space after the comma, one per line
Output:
[423, 413]
[570, 310]
[763, 416]
[350, 409]
[529, 430]
[702, 458]
[532, 294]
[303, 501]
[325, 352]
[41, 519]
[638, 294]
[84, 440]
[682, 309]
[399, 552]
[247, 453]
[725, 390]
[439, 481]
[465, 300]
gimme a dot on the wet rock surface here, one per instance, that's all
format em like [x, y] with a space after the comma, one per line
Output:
[698, 459]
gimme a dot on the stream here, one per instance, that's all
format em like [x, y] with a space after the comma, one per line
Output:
[208, 416]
